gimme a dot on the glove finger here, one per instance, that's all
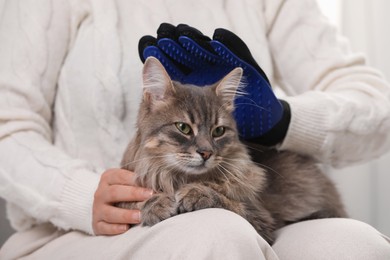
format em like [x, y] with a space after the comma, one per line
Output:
[194, 34]
[257, 109]
[196, 50]
[144, 42]
[228, 56]
[166, 30]
[185, 60]
[167, 35]
[233, 60]
[237, 46]
[195, 70]
[174, 72]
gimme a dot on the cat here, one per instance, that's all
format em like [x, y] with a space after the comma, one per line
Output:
[187, 149]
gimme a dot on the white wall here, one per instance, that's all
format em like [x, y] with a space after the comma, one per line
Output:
[365, 188]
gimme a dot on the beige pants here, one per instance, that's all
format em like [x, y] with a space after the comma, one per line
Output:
[205, 234]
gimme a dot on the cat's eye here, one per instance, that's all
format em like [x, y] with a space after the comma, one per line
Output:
[218, 131]
[184, 128]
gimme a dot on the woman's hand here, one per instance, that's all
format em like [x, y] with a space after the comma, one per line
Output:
[116, 185]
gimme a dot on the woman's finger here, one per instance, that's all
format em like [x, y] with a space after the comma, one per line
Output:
[111, 214]
[119, 193]
[104, 228]
[119, 176]
[116, 185]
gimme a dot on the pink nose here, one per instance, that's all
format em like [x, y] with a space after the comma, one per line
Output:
[205, 154]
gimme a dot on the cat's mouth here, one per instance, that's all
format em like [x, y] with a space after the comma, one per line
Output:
[197, 166]
[194, 164]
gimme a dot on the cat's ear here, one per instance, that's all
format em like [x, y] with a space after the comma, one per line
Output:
[228, 86]
[157, 84]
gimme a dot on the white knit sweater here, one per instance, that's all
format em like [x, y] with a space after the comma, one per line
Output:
[70, 85]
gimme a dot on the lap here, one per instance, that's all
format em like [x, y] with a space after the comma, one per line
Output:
[205, 234]
[334, 238]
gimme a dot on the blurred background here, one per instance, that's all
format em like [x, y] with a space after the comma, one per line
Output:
[365, 187]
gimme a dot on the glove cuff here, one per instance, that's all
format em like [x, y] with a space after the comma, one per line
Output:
[277, 133]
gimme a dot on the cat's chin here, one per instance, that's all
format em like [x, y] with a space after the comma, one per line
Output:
[196, 170]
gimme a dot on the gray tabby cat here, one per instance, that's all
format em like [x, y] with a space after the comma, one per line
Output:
[188, 151]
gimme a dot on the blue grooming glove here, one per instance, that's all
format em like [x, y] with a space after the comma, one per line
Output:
[193, 58]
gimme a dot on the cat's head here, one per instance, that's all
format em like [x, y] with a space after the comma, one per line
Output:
[190, 129]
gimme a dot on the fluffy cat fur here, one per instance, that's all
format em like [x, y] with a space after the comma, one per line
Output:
[188, 151]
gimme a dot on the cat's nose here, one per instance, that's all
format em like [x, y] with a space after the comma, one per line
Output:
[205, 154]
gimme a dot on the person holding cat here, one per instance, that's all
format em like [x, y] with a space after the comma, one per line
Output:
[70, 89]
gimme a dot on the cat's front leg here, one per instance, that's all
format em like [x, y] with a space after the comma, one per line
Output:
[158, 208]
[197, 196]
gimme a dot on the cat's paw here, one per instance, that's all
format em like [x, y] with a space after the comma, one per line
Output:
[158, 208]
[196, 197]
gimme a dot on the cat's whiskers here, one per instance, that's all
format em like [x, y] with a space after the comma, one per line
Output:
[173, 164]
[185, 162]
[234, 176]
[189, 159]
[163, 180]
[254, 149]
[221, 171]
[234, 167]
[268, 168]
[242, 182]
[251, 103]
[258, 164]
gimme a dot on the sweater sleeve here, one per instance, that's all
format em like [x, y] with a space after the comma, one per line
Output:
[40, 180]
[340, 106]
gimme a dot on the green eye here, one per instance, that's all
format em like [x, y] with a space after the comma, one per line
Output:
[218, 131]
[184, 128]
